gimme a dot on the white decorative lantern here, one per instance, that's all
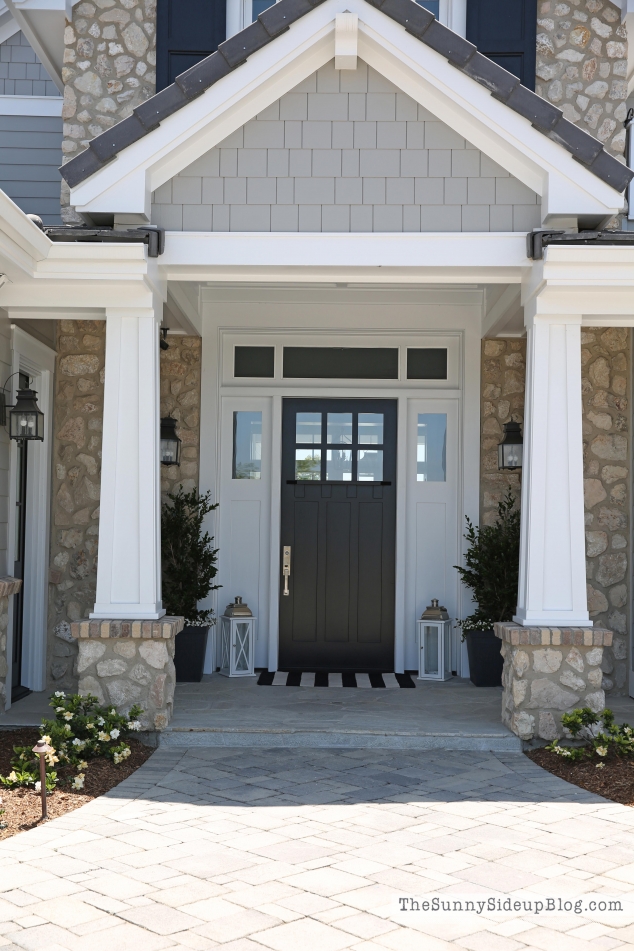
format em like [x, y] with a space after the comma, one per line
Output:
[434, 643]
[237, 626]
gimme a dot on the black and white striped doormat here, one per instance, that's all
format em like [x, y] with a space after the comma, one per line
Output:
[299, 678]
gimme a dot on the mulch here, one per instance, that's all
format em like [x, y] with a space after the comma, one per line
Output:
[615, 781]
[23, 806]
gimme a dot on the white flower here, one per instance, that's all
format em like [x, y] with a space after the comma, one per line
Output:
[79, 743]
[82, 765]
[59, 709]
[90, 726]
[12, 776]
[602, 751]
[59, 693]
[600, 765]
[113, 712]
[100, 721]
[114, 734]
[68, 716]
[104, 737]
[46, 739]
[78, 781]
[38, 786]
[133, 725]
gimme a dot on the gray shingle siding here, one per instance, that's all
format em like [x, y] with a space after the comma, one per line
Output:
[30, 153]
[345, 151]
[21, 73]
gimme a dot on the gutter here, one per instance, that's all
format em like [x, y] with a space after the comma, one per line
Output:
[536, 241]
[150, 235]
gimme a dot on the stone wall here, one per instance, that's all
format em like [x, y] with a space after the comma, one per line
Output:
[605, 368]
[547, 672]
[109, 68]
[582, 66]
[503, 372]
[180, 398]
[129, 662]
[77, 423]
[605, 358]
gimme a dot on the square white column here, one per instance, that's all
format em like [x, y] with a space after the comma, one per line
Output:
[552, 578]
[129, 568]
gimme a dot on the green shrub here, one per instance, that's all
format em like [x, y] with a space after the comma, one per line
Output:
[492, 567]
[188, 559]
[597, 734]
[81, 731]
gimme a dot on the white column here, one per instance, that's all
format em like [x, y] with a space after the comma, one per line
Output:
[129, 569]
[552, 580]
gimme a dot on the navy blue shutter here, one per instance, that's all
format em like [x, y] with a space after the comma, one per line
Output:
[505, 31]
[186, 32]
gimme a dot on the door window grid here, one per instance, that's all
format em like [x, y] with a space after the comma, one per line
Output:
[326, 460]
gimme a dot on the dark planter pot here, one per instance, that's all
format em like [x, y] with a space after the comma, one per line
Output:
[485, 659]
[189, 656]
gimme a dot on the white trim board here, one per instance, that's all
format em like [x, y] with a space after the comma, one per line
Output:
[35, 358]
[31, 106]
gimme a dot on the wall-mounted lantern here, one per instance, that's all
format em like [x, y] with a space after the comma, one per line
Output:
[510, 450]
[26, 420]
[170, 443]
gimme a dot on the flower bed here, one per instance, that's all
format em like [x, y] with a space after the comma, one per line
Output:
[601, 758]
[22, 805]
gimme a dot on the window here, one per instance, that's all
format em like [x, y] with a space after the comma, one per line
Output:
[259, 6]
[505, 31]
[254, 362]
[341, 363]
[426, 363]
[432, 5]
[352, 450]
[247, 445]
[431, 448]
[186, 32]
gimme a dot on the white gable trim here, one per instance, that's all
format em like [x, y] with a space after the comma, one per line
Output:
[566, 187]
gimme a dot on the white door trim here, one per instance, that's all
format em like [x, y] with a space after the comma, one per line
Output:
[29, 355]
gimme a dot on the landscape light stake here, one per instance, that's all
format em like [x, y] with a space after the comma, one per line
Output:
[41, 748]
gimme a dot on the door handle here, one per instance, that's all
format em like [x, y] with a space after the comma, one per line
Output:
[286, 567]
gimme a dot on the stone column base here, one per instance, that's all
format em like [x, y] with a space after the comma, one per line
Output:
[123, 663]
[549, 671]
[8, 586]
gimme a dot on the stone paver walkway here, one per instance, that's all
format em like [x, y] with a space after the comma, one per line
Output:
[310, 850]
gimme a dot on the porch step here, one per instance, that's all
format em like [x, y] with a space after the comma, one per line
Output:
[494, 742]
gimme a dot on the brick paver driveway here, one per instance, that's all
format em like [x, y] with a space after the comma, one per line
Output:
[295, 850]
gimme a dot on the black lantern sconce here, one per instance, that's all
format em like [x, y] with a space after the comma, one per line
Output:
[26, 419]
[510, 450]
[170, 443]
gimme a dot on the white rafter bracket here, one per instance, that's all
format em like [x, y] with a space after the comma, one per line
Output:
[346, 40]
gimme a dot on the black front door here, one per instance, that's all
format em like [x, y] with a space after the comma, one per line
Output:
[338, 518]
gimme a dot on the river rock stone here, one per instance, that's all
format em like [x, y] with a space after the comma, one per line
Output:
[568, 679]
[123, 693]
[90, 685]
[547, 661]
[545, 693]
[154, 653]
[89, 653]
[574, 658]
[111, 667]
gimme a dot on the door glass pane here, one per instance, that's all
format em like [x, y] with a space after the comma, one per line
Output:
[308, 465]
[431, 448]
[339, 465]
[370, 465]
[370, 429]
[247, 445]
[308, 428]
[340, 428]
[430, 649]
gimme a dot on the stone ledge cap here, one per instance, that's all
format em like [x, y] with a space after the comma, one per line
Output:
[162, 629]
[553, 636]
[9, 585]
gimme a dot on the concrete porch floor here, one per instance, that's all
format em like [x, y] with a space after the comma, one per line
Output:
[237, 712]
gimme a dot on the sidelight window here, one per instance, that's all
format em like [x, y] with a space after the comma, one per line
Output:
[431, 447]
[247, 445]
[339, 447]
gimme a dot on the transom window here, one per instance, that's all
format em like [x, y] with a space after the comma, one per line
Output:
[339, 447]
